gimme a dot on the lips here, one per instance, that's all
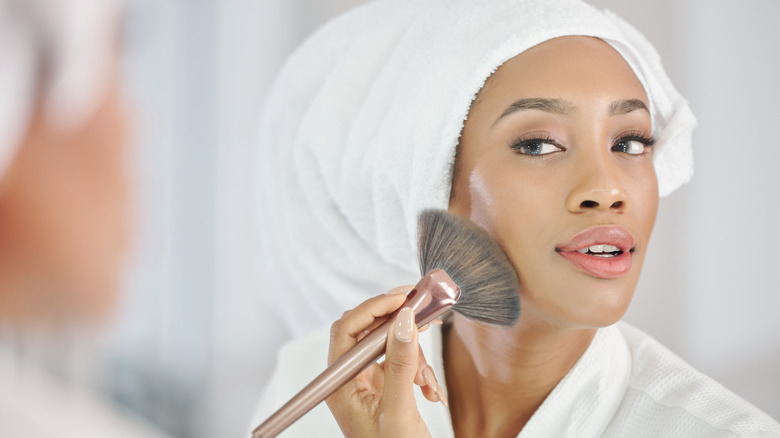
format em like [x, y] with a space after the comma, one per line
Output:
[602, 252]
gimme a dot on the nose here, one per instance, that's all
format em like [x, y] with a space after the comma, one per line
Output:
[597, 187]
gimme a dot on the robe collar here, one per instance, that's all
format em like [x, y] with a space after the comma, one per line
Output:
[581, 405]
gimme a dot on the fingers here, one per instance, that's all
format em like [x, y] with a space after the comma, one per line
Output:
[354, 324]
[422, 363]
[400, 290]
[432, 390]
[345, 332]
[404, 366]
[426, 379]
[401, 366]
[381, 401]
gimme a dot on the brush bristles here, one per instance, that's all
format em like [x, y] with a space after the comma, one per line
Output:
[477, 264]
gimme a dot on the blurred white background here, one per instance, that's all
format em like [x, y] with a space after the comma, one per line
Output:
[190, 350]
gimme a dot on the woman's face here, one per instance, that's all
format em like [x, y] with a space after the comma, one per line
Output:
[555, 161]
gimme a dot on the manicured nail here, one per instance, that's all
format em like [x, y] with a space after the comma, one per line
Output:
[442, 396]
[398, 291]
[404, 325]
[430, 379]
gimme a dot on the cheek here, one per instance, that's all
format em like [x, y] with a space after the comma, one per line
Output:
[524, 208]
[512, 205]
[644, 196]
[483, 203]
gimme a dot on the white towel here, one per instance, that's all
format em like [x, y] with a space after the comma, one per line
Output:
[361, 126]
[63, 45]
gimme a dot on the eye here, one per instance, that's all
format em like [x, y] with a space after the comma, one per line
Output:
[536, 146]
[633, 145]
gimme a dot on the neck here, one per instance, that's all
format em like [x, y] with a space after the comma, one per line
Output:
[498, 377]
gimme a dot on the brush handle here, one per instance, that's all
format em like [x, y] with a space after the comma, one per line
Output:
[433, 295]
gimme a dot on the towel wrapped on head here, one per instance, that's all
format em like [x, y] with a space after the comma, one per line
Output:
[360, 131]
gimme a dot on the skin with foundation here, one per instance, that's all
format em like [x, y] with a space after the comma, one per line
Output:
[555, 162]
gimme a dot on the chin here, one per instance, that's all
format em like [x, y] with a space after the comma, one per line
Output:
[608, 307]
[578, 304]
[605, 319]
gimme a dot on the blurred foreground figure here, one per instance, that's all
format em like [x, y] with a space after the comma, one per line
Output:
[62, 200]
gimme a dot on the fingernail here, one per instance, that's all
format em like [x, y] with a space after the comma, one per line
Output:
[430, 379]
[442, 397]
[404, 325]
[398, 291]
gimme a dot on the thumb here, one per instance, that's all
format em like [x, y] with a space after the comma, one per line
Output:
[401, 366]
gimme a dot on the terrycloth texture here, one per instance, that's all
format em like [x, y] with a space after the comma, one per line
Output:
[65, 45]
[360, 131]
[640, 390]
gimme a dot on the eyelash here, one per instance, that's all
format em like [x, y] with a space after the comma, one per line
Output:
[523, 143]
[639, 137]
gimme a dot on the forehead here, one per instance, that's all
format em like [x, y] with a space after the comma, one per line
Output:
[573, 68]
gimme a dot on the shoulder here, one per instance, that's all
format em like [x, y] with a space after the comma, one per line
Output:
[668, 397]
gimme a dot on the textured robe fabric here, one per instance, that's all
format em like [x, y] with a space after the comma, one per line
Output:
[626, 384]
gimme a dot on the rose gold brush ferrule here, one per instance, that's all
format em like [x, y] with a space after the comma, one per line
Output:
[433, 295]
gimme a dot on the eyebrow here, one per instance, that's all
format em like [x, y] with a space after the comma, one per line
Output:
[555, 106]
[558, 106]
[620, 107]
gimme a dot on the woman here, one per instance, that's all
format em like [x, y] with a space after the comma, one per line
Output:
[573, 133]
[62, 202]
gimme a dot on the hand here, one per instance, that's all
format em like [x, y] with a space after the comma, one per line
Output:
[380, 402]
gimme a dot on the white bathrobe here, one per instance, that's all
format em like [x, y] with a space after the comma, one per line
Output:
[626, 384]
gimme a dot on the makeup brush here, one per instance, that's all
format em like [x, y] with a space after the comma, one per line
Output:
[464, 270]
[486, 278]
